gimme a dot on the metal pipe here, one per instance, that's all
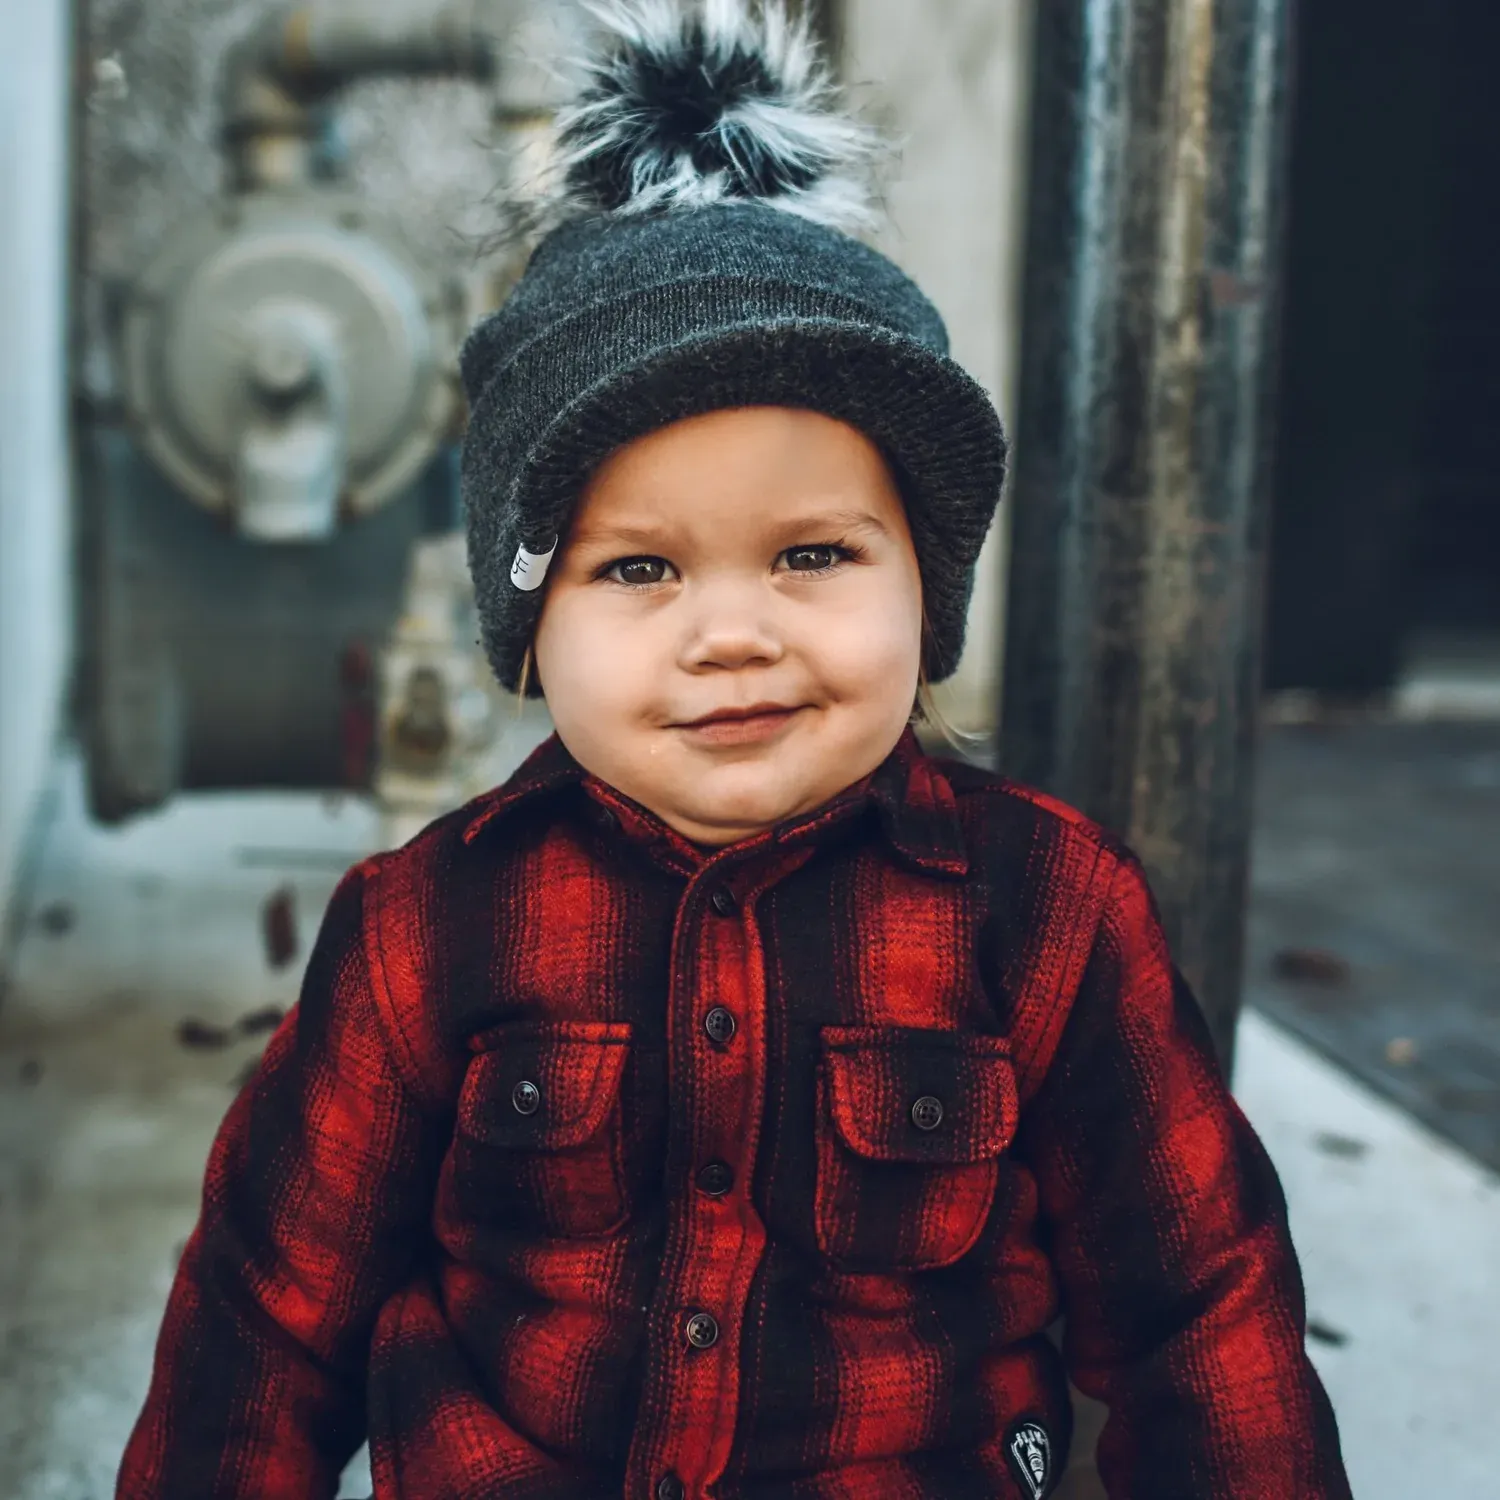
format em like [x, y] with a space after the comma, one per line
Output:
[278, 76]
[1143, 436]
[323, 49]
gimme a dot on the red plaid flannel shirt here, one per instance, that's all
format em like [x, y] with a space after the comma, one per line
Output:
[592, 1164]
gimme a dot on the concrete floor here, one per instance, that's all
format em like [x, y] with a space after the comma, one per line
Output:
[105, 1119]
[1372, 933]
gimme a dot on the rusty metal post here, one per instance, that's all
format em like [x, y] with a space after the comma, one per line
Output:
[1139, 495]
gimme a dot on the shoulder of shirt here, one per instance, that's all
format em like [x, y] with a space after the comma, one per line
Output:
[423, 874]
[1018, 835]
[444, 832]
[998, 805]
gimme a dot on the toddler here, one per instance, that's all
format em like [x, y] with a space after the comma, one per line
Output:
[728, 1104]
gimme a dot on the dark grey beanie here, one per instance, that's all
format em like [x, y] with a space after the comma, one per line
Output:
[637, 314]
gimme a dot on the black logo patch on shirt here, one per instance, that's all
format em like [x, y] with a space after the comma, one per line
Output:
[1028, 1450]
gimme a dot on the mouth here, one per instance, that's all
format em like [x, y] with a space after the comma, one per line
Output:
[735, 725]
[755, 711]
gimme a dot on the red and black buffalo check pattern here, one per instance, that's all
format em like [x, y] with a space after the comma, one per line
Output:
[592, 1164]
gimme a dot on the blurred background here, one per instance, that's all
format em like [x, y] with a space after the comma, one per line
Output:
[1228, 269]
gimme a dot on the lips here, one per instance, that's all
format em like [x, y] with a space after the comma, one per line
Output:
[736, 715]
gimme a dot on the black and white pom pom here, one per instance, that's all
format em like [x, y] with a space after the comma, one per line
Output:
[690, 103]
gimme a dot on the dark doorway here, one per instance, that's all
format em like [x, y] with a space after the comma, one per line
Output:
[1385, 522]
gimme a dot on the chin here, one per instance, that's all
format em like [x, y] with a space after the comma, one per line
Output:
[739, 819]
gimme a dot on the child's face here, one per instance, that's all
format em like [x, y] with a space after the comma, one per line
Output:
[705, 570]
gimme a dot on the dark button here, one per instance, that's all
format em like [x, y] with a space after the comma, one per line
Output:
[715, 1179]
[702, 1330]
[526, 1097]
[669, 1487]
[719, 1024]
[927, 1113]
[607, 819]
[723, 901]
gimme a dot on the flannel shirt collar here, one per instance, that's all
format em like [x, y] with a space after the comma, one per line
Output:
[916, 808]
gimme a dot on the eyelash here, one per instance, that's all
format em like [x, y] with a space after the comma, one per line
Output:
[848, 554]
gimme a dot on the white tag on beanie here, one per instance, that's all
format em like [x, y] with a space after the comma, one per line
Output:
[530, 568]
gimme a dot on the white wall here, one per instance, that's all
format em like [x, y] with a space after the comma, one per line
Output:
[35, 524]
[951, 79]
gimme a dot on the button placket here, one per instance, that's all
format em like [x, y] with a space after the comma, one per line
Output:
[719, 1249]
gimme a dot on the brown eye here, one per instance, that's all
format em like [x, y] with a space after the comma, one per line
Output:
[630, 570]
[822, 558]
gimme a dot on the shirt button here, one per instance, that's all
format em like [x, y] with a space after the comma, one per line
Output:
[669, 1487]
[719, 1024]
[927, 1113]
[702, 1330]
[526, 1097]
[715, 1179]
[723, 901]
[607, 819]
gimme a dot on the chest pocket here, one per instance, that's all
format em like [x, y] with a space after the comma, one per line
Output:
[540, 1143]
[912, 1125]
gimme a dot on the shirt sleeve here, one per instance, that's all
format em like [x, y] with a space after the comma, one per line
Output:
[316, 1202]
[1167, 1226]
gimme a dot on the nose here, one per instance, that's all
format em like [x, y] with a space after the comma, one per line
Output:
[733, 624]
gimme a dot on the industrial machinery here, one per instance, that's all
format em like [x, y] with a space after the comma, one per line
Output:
[280, 448]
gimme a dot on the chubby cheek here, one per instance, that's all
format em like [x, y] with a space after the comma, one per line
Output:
[870, 656]
[590, 677]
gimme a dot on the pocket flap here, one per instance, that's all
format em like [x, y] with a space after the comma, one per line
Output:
[573, 1067]
[877, 1073]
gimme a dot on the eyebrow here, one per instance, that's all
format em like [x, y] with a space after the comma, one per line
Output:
[828, 520]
